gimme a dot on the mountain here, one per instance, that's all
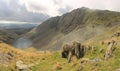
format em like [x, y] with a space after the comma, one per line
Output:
[98, 31]
[8, 36]
[9, 33]
[16, 25]
[82, 24]
[19, 29]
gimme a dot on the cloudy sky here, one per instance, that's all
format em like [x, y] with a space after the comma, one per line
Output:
[37, 11]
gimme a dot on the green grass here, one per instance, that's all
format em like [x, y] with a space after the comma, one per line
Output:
[55, 62]
[49, 64]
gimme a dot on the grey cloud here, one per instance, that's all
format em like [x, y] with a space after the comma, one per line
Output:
[13, 11]
[64, 10]
[37, 7]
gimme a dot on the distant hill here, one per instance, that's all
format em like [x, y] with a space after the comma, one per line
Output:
[81, 25]
[16, 25]
[8, 36]
[19, 29]
[9, 33]
[97, 30]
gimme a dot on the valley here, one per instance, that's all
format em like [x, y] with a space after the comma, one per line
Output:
[81, 40]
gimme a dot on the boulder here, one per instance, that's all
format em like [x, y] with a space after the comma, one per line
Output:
[5, 58]
[109, 50]
[76, 49]
[21, 66]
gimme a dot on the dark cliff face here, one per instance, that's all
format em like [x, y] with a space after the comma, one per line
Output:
[55, 29]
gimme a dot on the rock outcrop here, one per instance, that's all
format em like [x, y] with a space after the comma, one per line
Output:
[92, 62]
[109, 50]
[5, 58]
[76, 49]
[23, 67]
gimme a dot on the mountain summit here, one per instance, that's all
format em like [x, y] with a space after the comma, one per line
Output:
[81, 25]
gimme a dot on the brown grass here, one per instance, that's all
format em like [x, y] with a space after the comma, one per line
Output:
[27, 56]
[57, 66]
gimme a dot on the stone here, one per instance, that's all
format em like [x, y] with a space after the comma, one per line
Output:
[109, 50]
[117, 69]
[76, 49]
[10, 54]
[5, 58]
[21, 66]
[95, 61]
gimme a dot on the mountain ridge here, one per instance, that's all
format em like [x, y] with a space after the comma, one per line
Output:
[48, 34]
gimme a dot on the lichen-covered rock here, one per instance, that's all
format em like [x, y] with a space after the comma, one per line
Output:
[76, 49]
[109, 50]
[5, 58]
[23, 67]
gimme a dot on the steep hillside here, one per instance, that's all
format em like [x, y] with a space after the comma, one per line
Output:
[8, 36]
[9, 33]
[81, 25]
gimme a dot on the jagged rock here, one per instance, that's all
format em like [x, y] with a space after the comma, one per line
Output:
[76, 49]
[109, 50]
[10, 54]
[67, 52]
[5, 58]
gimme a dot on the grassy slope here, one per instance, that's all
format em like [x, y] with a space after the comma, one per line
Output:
[56, 63]
[53, 61]
[28, 56]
